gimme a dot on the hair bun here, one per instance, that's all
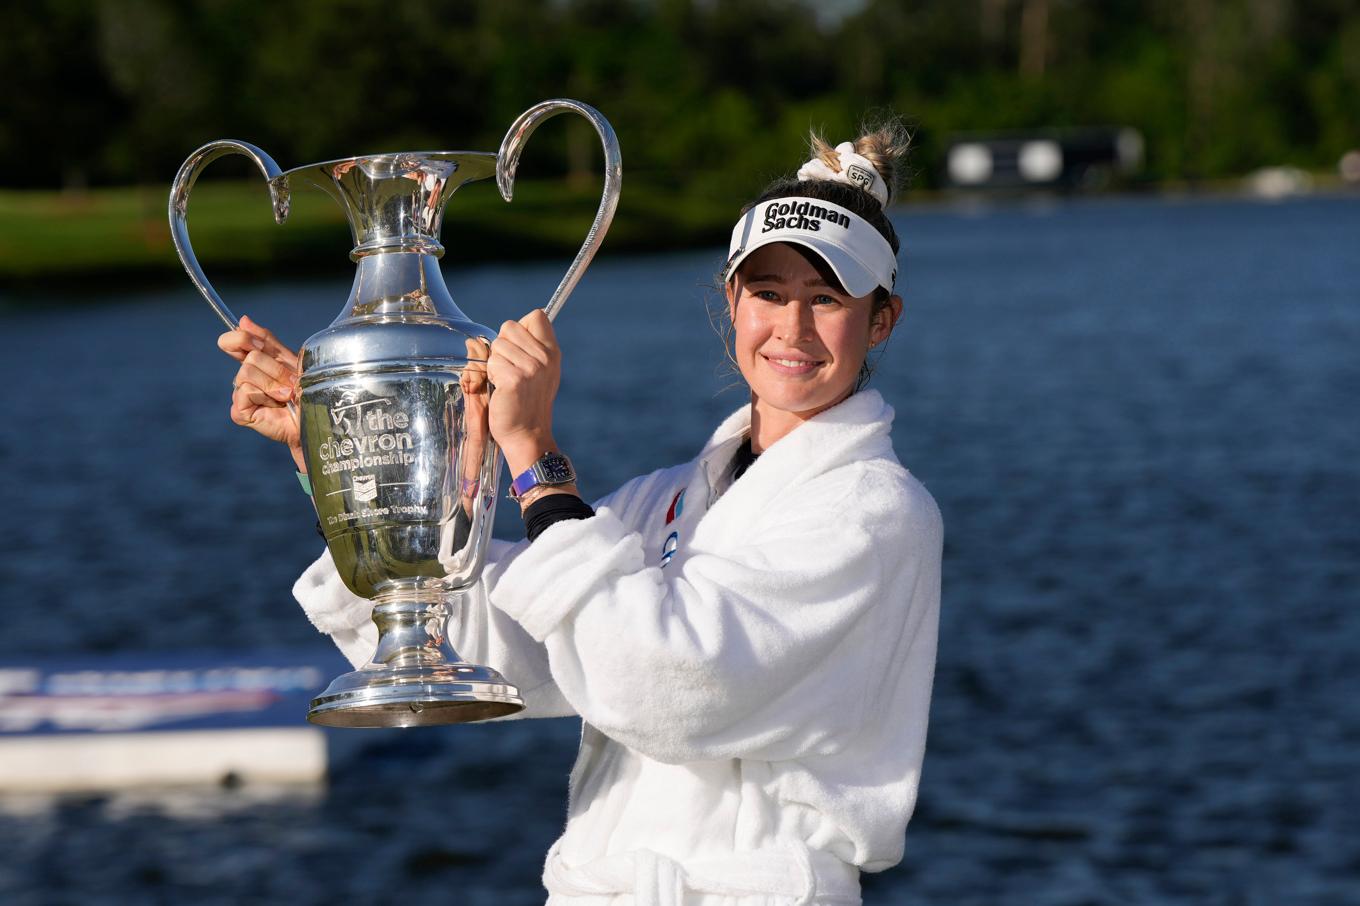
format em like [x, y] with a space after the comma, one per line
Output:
[883, 145]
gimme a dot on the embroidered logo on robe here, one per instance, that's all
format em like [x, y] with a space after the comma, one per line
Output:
[668, 549]
[677, 507]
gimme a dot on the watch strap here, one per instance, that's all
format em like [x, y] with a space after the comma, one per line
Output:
[551, 469]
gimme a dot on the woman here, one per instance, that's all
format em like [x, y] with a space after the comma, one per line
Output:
[749, 637]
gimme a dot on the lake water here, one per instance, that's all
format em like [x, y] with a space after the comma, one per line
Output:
[1139, 418]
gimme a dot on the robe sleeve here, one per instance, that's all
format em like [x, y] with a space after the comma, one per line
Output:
[336, 611]
[772, 648]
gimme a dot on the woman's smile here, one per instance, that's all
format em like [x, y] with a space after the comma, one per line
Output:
[792, 365]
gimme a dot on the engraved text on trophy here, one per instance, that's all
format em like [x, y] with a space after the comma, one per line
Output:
[367, 435]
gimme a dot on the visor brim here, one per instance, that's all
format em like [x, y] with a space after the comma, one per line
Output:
[856, 277]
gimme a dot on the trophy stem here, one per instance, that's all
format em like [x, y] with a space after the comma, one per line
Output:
[415, 677]
[412, 629]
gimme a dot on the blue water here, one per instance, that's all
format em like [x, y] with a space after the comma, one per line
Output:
[1139, 420]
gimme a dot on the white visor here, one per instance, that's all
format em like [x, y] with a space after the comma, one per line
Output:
[858, 254]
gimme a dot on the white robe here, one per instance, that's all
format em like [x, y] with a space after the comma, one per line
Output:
[753, 675]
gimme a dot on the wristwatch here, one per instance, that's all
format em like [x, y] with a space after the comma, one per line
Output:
[550, 470]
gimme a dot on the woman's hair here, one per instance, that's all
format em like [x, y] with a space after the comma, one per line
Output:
[884, 144]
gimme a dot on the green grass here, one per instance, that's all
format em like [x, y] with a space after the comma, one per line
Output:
[124, 231]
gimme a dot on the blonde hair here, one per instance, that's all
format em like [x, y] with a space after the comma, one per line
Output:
[882, 143]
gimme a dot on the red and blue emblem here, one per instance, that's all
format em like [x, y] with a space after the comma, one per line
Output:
[677, 507]
[673, 539]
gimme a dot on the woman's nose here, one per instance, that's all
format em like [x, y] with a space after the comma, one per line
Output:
[797, 321]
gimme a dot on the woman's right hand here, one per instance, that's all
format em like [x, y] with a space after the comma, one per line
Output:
[265, 384]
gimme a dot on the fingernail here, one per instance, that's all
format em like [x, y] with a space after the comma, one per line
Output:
[282, 392]
[257, 342]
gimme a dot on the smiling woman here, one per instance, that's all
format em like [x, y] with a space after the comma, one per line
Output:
[749, 637]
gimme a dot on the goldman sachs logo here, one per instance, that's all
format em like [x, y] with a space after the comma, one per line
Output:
[802, 215]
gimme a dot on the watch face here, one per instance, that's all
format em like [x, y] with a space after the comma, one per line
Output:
[556, 470]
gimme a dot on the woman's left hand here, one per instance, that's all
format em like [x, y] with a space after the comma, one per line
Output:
[525, 368]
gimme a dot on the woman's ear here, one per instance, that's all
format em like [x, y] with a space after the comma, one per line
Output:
[885, 320]
[730, 288]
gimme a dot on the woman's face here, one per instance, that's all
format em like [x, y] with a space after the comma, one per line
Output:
[799, 340]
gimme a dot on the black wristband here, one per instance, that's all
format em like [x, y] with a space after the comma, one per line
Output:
[553, 508]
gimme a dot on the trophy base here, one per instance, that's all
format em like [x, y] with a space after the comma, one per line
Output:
[418, 695]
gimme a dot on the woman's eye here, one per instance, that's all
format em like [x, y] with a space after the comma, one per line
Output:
[768, 295]
[824, 299]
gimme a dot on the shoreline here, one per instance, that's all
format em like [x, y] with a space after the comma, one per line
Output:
[89, 238]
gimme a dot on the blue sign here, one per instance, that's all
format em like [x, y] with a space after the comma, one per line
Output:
[182, 691]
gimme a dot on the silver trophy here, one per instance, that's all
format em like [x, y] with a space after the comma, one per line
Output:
[403, 469]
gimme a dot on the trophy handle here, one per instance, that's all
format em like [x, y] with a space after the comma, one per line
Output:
[507, 161]
[179, 209]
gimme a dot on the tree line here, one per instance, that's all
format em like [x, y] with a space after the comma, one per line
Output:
[711, 95]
